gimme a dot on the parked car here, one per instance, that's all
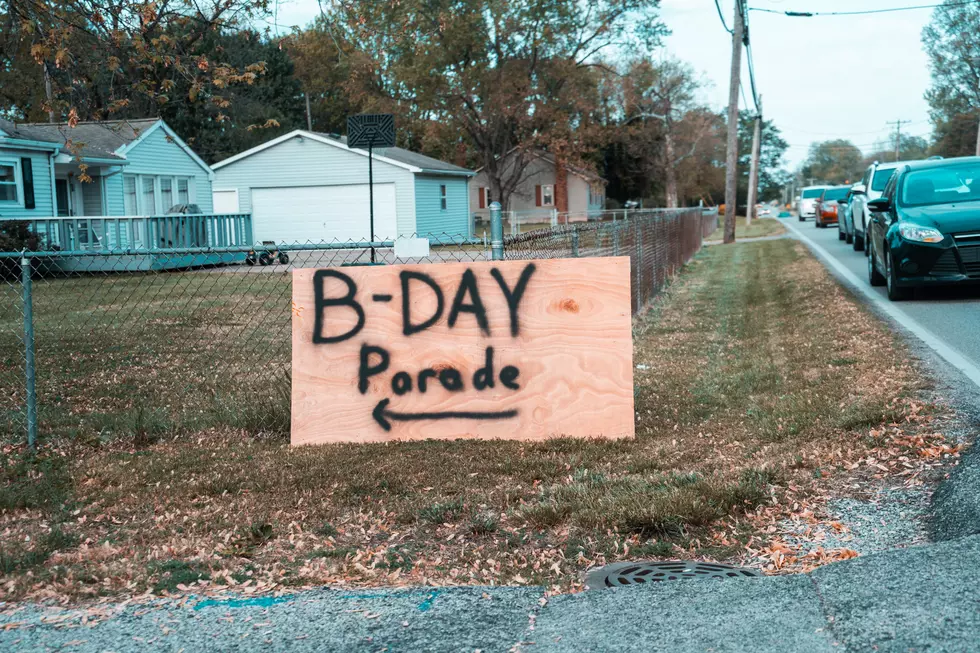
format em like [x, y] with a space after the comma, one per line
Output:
[808, 196]
[925, 227]
[826, 206]
[870, 188]
[845, 218]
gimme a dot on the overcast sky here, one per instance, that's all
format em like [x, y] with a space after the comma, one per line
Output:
[820, 78]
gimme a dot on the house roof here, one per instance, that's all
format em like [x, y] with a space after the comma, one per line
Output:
[402, 158]
[414, 159]
[95, 140]
[584, 173]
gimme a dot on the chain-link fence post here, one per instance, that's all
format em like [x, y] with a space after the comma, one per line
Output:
[25, 275]
[639, 267]
[615, 238]
[575, 244]
[496, 232]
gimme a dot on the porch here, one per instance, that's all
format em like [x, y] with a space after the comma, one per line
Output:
[141, 237]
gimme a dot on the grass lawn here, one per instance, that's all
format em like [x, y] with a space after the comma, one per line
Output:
[758, 380]
[758, 228]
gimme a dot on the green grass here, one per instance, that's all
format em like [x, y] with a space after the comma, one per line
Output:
[757, 229]
[129, 357]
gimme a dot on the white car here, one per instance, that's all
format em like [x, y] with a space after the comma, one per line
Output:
[808, 197]
[869, 188]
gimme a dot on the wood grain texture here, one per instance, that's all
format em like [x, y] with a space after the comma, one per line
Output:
[573, 350]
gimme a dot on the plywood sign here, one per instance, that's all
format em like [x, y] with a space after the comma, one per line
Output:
[512, 350]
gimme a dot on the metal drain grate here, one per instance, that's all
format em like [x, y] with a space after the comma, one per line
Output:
[634, 573]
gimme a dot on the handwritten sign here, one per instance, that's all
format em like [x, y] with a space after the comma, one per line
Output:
[510, 349]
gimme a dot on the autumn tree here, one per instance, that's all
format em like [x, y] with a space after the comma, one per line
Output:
[833, 162]
[911, 148]
[665, 92]
[495, 78]
[92, 60]
[952, 42]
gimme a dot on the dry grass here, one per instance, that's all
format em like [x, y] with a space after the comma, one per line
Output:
[757, 376]
[759, 228]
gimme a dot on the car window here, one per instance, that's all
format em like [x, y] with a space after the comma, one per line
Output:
[944, 185]
[811, 193]
[834, 194]
[881, 178]
[867, 176]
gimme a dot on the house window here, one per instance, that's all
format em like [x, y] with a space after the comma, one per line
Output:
[8, 182]
[443, 197]
[547, 195]
[149, 197]
[129, 195]
[166, 193]
[183, 191]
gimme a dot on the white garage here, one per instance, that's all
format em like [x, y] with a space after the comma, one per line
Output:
[308, 187]
[323, 213]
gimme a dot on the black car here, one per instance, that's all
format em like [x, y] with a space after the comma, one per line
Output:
[925, 227]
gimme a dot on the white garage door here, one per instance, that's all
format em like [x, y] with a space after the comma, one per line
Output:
[322, 213]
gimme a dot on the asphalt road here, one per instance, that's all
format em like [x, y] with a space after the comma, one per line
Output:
[951, 314]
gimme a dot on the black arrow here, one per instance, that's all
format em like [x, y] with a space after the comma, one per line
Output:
[381, 415]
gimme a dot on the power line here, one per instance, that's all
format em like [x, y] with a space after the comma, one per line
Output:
[722, 17]
[812, 14]
[743, 11]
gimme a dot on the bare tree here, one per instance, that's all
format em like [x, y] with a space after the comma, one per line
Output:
[666, 92]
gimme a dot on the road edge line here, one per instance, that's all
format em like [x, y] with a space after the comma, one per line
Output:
[947, 353]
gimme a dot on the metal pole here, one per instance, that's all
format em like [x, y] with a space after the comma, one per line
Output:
[25, 275]
[615, 238]
[371, 191]
[496, 232]
[575, 243]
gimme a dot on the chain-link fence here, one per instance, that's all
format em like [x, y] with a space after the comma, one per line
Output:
[97, 345]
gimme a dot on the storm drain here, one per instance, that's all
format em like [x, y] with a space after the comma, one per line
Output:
[635, 573]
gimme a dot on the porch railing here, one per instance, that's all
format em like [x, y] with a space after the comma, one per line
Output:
[143, 232]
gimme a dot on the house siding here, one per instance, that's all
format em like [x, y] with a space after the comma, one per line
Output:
[434, 221]
[158, 155]
[301, 161]
[523, 199]
[43, 185]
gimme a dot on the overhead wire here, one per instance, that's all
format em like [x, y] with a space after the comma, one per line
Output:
[863, 12]
[722, 17]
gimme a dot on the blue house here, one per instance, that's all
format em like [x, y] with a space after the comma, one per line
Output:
[309, 187]
[109, 185]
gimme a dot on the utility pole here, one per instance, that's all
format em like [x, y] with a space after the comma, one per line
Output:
[898, 136]
[309, 116]
[754, 168]
[731, 158]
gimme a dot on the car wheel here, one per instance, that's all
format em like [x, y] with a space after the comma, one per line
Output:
[874, 277]
[840, 233]
[800, 218]
[896, 293]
